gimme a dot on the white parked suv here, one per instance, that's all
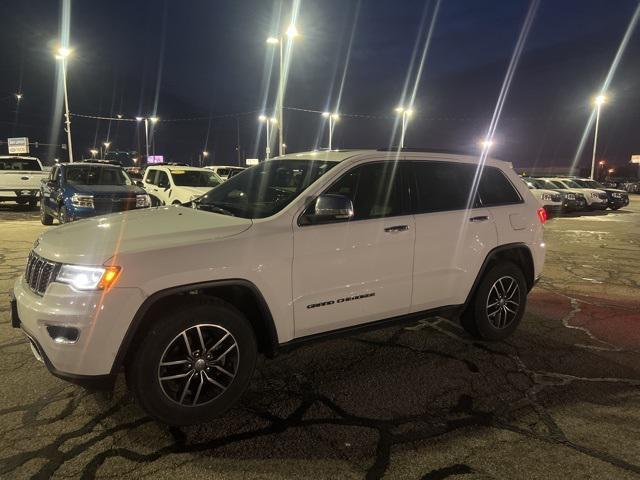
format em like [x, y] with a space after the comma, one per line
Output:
[225, 172]
[175, 185]
[295, 249]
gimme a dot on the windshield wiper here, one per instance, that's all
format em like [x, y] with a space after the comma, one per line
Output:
[210, 207]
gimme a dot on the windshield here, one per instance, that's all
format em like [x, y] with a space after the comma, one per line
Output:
[19, 164]
[571, 184]
[555, 184]
[589, 183]
[265, 189]
[195, 178]
[535, 183]
[96, 175]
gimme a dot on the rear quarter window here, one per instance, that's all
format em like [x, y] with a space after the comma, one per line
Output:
[496, 189]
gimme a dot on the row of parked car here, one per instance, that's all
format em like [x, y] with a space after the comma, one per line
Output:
[79, 190]
[575, 194]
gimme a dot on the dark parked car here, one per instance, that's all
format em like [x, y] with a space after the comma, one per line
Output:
[617, 198]
[571, 201]
[80, 190]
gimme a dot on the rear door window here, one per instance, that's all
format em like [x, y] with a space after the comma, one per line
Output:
[443, 186]
[496, 189]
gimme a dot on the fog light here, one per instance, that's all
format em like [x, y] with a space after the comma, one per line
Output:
[63, 334]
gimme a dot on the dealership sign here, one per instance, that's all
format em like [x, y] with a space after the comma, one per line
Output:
[18, 145]
[252, 161]
[635, 158]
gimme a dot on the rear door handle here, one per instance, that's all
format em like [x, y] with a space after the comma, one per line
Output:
[480, 218]
[397, 228]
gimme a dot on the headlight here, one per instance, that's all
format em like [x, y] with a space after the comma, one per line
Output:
[88, 278]
[547, 196]
[143, 201]
[571, 196]
[85, 201]
[616, 195]
[594, 195]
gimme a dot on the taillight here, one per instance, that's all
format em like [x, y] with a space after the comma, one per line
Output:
[542, 215]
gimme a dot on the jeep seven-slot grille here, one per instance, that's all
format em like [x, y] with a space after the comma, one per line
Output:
[40, 273]
[556, 197]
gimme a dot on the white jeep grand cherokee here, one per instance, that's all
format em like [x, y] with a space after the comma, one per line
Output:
[296, 248]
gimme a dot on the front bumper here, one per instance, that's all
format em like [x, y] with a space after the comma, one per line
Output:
[599, 205]
[618, 202]
[100, 320]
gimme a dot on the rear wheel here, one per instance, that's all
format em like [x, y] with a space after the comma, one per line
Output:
[45, 218]
[498, 303]
[194, 363]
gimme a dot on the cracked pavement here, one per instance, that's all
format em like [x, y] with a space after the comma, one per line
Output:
[560, 398]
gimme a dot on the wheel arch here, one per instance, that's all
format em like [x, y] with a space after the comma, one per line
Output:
[518, 253]
[240, 293]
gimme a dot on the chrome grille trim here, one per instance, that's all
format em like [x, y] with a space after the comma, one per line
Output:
[39, 273]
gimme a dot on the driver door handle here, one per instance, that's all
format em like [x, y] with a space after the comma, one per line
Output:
[397, 228]
[481, 218]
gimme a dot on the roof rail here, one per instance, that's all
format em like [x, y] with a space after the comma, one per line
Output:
[427, 150]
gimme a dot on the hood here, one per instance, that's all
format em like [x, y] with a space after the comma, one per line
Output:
[94, 240]
[614, 190]
[109, 190]
[195, 190]
[542, 191]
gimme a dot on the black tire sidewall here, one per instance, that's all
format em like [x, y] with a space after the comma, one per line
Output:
[45, 218]
[143, 366]
[484, 328]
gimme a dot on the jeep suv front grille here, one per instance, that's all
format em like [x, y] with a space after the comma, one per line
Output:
[602, 196]
[556, 197]
[40, 273]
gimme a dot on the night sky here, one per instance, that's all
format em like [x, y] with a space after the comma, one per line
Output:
[208, 60]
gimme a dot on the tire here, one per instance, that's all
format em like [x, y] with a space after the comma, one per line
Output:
[497, 322]
[176, 202]
[33, 202]
[615, 207]
[62, 215]
[155, 201]
[193, 398]
[45, 218]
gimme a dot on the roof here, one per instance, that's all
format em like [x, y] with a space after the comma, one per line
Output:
[21, 157]
[175, 167]
[91, 164]
[418, 154]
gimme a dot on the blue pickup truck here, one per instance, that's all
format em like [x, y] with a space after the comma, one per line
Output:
[80, 190]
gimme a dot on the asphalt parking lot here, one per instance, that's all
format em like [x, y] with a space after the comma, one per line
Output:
[561, 398]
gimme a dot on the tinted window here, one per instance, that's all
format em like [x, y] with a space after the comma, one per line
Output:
[19, 164]
[94, 175]
[150, 176]
[162, 179]
[441, 186]
[195, 178]
[223, 172]
[374, 189]
[496, 189]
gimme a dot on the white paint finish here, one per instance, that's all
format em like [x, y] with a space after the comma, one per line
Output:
[336, 261]
[449, 251]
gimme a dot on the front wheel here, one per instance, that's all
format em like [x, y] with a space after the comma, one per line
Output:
[498, 303]
[45, 218]
[194, 363]
[63, 216]
[615, 207]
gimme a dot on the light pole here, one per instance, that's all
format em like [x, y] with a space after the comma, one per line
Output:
[290, 33]
[18, 97]
[333, 118]
[93, 152]
[204, 155]
[106, 147]
[62, 54]
[406, 114]
[600, 99]
[146, 131]
[267, 120]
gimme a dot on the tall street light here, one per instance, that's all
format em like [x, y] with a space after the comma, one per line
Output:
[290, 33]
[146, 120]
[18, 96]
[62, 54]
[599, 100]
[93, 152]
[333, 118]
[106, 147]
[267, 120]
[406, 114]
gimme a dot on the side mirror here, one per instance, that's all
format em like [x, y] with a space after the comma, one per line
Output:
[139, 183]
[327, 209]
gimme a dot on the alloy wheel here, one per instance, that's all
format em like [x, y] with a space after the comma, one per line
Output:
[503, 302]
[198, 365]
